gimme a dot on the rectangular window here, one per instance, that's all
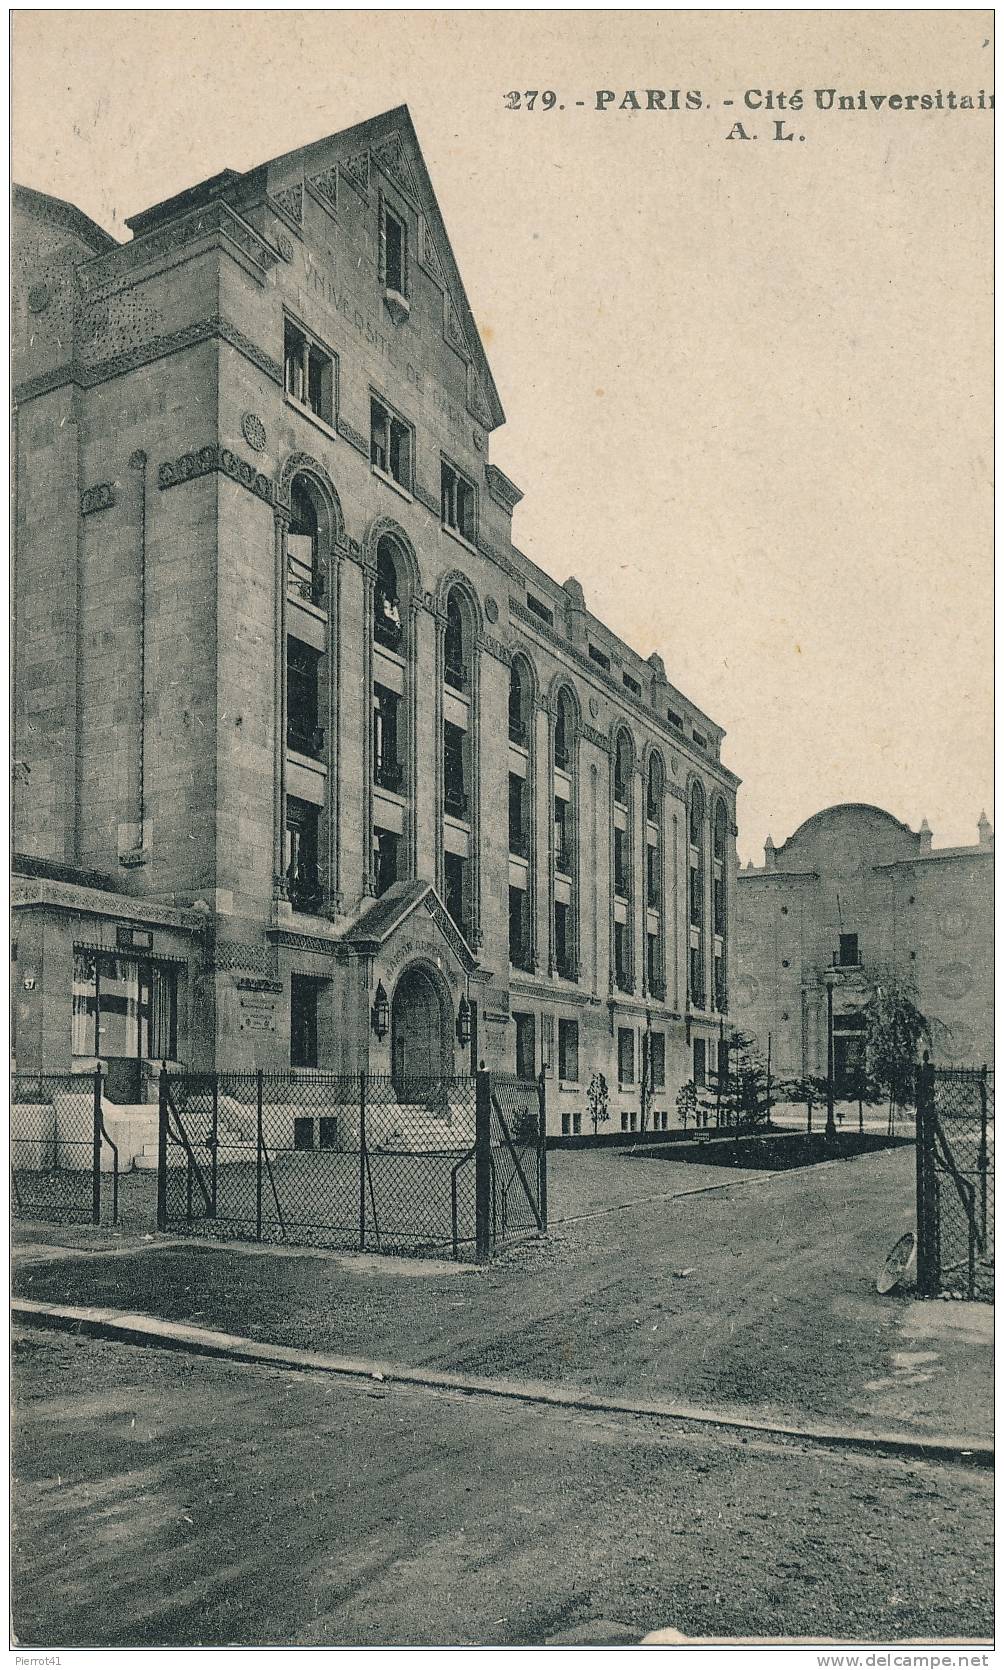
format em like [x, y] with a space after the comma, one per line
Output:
[675, 719]
[519, 928]
[624, 1121]
[696, 896]
[653, 964]
[517, 824]
[302, 878]
[697, 976]
[395, 253]
[568, 1051]
[526, 1046]
[385, 848]
[536, 607]
[562, 836]
[454, 792]
[700, 739]
[601, 659]
[302, 729]
[563, 958]
[849, 951]
[390, 443]
[458, 501]
[621, 881]
[718, 903]
[566, 1124]
[308, 372]
[456, 879]
[386, 765]
[721, 994]
[622, 958]
[303, 1133]
[631, 684]
[652, 876]
[625, 1055]
[657, 1060]
[303, 1025]
[700, 1063]
[328, 1131]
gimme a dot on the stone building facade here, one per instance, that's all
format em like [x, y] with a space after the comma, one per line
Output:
[855, 888]
[314, 767]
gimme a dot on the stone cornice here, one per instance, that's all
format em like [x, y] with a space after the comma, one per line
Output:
[505, 492]
[36, 893]
[636, 708]
[215, 328]
[216, 222]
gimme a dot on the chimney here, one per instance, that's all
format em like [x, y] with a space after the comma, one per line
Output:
[768, 853]
[986, 831]
[925, 836]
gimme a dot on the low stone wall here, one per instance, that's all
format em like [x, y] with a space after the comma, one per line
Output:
[772, 1151]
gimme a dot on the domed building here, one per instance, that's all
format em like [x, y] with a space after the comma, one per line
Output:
[856, 888]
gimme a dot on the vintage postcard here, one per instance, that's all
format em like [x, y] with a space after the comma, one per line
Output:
[502, 1099]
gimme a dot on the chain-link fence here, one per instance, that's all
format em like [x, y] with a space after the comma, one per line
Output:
[59, 1148]
[518, 1160]
[319, 1159]
[955, 1181]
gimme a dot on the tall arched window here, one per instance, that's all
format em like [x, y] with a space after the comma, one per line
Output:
[564, 730]
[564, 805]
[698, 993]
[521, 815]
[655, 961]
[519, 696]
[719, 904]
[388, 614]
[623, 866]
[623, 762]
[305, 571]
[456, 674]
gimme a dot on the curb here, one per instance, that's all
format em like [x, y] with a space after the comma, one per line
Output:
[134, 1327]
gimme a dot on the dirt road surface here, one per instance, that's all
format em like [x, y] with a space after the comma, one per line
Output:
[167, 1499]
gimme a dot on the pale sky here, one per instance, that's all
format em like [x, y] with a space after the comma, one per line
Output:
[747, 383]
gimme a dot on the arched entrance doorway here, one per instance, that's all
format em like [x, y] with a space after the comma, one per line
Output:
[420, 1030]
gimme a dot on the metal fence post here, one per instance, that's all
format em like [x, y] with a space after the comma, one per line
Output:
[482, 1165]
[96, 1150]
[362, 1161]
[214, 1172]
[981, 1162]
[162, 1150]
[926, 1273]
[542, 1150]
[258, 1158]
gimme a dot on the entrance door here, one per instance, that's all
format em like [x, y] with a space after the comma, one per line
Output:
[416, 1029]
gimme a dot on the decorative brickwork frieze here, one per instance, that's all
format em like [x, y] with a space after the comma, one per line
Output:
[212, 458]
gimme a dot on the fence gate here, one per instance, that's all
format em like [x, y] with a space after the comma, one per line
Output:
[955, 1181]
[60, 1148]
[361, 1160]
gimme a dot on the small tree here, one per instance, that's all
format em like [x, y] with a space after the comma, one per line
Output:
[598, 1101]
[686, 1102]
[895, 1029]
[742, 1092]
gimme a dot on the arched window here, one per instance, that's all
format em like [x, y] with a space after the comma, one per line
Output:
[456, 670]
[564, 730]
[623, 762]
[305, 570]
[697, 953]
[719, 902]
[653, 794]
[387, 613]
[519, 692]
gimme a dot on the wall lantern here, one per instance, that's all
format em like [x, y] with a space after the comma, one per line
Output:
[381, 1010]
[464, 1021]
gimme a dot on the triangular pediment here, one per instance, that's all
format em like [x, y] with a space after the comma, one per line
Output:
[397, 913]
[357, 160]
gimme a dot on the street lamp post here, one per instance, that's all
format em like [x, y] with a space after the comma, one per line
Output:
[829, 979]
